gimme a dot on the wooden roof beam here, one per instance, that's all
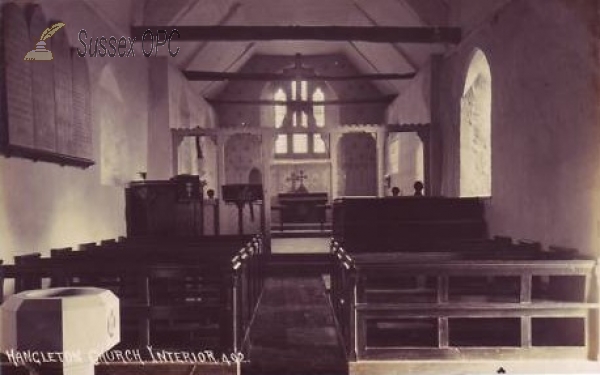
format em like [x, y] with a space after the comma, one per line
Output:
[374, 34]
[374, 100]
[193, 75]
[409, 60]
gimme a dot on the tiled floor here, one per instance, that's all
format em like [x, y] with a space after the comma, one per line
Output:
[294, 331]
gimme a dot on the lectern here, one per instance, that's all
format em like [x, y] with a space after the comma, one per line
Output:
[240, 195]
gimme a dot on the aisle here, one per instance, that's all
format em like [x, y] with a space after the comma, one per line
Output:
[294, 332]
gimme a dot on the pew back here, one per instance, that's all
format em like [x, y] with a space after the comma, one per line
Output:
[185, 295]
[458, 305]
[406, 223]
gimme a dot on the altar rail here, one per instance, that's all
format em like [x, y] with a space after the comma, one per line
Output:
[465, 306]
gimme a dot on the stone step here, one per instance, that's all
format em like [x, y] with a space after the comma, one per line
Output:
[300, 234]
[299, 230]
[298, 264]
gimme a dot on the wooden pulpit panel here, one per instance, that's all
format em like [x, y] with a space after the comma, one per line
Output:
[42, 85]
[17, 111]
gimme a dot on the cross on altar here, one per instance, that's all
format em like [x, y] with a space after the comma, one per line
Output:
[301, 177]
[295, 178]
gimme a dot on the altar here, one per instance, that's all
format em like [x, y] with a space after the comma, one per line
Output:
[301, 206]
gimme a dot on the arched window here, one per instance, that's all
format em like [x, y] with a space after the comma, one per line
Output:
[319, 110]
[297, 120]
[280, 109]
[281, 143]
[319, 114]
[476, 129]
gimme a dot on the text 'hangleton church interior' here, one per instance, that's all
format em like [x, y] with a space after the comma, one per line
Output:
[299, 187]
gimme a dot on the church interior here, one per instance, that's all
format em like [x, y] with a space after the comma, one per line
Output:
[300, 187]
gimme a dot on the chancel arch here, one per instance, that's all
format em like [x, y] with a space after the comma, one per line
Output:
[476, 129]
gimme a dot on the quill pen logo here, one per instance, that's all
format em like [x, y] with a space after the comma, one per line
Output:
[40, 53]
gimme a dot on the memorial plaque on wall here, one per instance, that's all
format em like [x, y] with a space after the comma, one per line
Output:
[81, 135]
[17, 113]
[63, 93]
[45, 109]
[42, 80]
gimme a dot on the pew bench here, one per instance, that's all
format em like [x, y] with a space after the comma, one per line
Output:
[403, 224]
[169, 299]
[521, 307]
[185, 251]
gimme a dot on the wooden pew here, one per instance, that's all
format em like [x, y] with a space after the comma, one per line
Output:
[163, 250]
[206, 295]
[27, 281]
[184, 251]
[246, 288]
[64, 252]
[449, 317]
[407, 223]
[108, 241]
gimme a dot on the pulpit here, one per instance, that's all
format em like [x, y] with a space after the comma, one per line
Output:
[165, 208]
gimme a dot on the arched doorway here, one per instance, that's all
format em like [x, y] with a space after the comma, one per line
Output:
[255, 176]
[476, 129]
[243, 154]
[357, 155]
